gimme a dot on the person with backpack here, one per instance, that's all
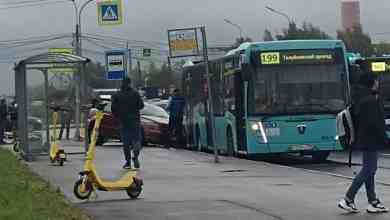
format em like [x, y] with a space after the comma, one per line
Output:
[370, 137]
[126, 106]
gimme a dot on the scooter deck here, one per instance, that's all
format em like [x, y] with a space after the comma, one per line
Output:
[123, 183]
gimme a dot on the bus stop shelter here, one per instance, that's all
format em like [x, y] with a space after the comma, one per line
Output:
[31, 142]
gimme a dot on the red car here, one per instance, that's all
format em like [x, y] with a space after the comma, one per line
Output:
[154, 124]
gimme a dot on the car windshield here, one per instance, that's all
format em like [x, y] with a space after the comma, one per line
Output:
[155, 111]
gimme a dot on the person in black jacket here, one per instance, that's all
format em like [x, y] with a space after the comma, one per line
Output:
[369, 126]
[126, 106]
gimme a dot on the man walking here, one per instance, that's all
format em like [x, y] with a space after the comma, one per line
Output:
[3, 119]
[126, 106]
[176, 113]
[370, 137]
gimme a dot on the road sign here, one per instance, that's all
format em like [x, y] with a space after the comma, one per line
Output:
[183, 42]
[147, 52]
[116, 64]
[110, 12]
[59, 70]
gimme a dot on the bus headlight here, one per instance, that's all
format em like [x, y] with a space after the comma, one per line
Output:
[255, 127]
[259, 131]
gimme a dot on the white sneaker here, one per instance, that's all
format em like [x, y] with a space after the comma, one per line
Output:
[377, 207]
[348, 206]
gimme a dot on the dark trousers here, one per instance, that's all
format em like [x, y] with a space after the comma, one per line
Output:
[131, 139]
[64, 124]
[366, 176]
[176, 128]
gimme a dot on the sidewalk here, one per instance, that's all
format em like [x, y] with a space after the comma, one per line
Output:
[186, 185]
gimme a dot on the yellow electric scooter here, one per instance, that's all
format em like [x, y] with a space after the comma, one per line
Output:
[89, 180]
[56, 154]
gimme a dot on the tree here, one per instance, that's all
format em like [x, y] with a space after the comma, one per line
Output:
[241, 40]
[307, 32]
[96, 74]
[267, 36]
[160, 77]
[381, 49]
[356, 41]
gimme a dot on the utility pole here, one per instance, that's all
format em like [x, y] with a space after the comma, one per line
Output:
[210, 98]
[290, 21]
[139, 81]
[78, 77]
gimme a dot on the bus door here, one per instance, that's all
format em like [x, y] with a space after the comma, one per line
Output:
[240, 111]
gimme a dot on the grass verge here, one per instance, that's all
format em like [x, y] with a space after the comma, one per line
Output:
[25, 196]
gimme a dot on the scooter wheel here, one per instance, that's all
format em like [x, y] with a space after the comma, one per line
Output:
[134, 190]
[62, 162]
[77, 190]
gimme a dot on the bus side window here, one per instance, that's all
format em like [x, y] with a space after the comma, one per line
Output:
[229, 99]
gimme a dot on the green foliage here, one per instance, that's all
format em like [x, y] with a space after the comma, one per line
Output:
[307, 32]
[24, 195]
[268, 36]
[160, 77]
[241, 40]
[381, 48]
[97, 76]
[356, 41]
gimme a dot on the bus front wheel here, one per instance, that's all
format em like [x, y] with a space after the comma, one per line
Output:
[320, 156]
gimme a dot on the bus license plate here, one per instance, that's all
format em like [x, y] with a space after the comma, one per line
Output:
[387, 121]
[300, 147]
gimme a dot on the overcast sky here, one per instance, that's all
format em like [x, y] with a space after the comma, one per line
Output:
[148, 20]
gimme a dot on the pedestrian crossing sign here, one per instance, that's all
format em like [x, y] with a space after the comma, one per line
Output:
[110, 12]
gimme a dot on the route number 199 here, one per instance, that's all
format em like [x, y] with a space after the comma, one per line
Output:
[270, 58]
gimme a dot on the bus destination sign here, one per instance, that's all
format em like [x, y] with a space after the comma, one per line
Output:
[297, 57]
[380, 66]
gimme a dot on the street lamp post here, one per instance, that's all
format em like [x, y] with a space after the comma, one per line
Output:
[280, 13]
[79, 79]
[235, 25]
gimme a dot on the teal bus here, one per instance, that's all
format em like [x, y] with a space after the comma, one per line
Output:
[269, 98]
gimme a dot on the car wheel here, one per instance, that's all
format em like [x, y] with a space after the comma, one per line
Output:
[100, 140]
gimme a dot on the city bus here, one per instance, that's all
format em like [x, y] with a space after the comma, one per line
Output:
[379, 66]
[269, 98]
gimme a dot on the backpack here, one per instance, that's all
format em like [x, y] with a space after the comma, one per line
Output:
[345, 129]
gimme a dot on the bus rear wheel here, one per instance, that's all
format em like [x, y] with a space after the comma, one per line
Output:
[320, 156]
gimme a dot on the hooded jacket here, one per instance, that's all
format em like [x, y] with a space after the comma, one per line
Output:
[369, 119]
[126, 106]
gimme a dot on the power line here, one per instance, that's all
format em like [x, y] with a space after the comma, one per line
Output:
[14, 6]
[23, 2]
[35, 38]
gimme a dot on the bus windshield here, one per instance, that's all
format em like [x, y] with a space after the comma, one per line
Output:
[297, 89]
